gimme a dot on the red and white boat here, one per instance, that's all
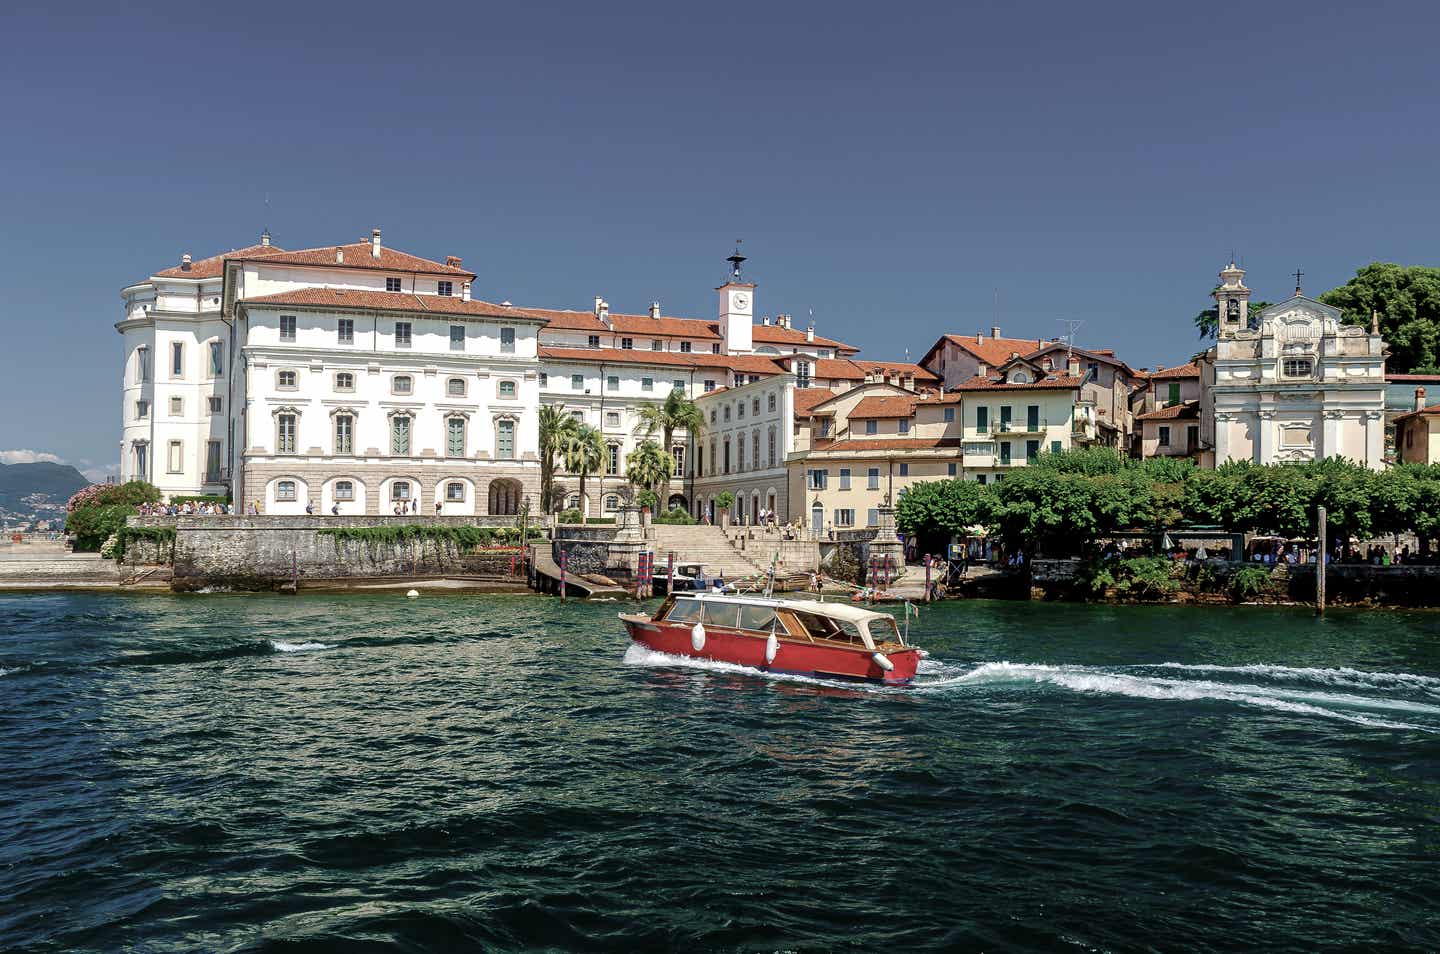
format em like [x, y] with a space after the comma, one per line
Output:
[795, 637]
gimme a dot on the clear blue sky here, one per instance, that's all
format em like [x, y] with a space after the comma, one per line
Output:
[889, 166]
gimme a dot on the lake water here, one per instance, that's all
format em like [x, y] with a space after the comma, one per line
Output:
[257, 773]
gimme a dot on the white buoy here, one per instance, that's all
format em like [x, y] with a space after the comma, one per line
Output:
[412, 594]
[772, 646]
[697, 637]
[882, 661]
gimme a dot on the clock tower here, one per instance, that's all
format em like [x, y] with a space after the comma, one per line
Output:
[737, 308]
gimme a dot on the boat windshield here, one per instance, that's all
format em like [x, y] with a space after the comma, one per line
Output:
[684, 611]
[885, 630]
[827, 627]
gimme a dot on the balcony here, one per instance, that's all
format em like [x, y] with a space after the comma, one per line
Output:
[1028, 426]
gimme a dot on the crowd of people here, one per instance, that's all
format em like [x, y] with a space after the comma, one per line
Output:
[186, 508]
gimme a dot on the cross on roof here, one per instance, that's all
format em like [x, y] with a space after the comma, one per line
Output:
[1298, 275]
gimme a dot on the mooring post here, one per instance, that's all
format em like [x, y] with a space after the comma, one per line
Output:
[1321, 565]
[562, 575]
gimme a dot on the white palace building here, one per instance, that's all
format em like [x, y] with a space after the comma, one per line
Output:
[359, 379]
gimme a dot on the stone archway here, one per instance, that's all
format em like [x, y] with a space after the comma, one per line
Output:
[505, 495]
[677, 501]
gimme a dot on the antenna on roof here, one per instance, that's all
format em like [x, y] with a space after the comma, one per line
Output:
[1074, 325]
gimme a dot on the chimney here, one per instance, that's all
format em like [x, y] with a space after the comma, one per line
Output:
[783, 321]
[374, 243]
[1419, 399]
[603, 311]
[765, 321]
[598, 302]
[1074, 368]
[452, 260]
[654, 309]
[994, 331]
[185, 262]
[265, 239]
[982, 371]
[810, 333]
[339, 255]
[464, 291]
[979, 337]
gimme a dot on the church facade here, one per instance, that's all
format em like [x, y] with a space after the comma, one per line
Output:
[1290, 384]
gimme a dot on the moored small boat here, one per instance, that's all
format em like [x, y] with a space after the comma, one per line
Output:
[795, 637]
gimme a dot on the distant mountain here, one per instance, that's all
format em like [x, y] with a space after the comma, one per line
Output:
[37, 490]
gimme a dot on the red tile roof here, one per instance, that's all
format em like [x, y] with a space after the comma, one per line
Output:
[1187, 409]
[669, 326]
[992, 351]
[922, 375]
[894, 443]
[884, 405]
[1191, 370]
[807, 398]
[1432, 409]
[776, 334]
[978, 383]
[343, 298]
[740, 363]
[211, 267]
[358, 255]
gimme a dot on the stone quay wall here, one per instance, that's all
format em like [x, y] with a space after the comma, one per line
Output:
[586, 548]
[266, 551]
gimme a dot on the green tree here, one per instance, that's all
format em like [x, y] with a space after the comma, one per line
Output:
[675, 413]
[944, 507]
[1408, 299]
[583, 452]
[1207, 322]
[648, 466]
[97, 511]
[556, 425]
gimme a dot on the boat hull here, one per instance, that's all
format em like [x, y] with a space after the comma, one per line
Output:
[793, 657]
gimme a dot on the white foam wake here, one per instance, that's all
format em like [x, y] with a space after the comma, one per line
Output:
[638, 655]
[1088, 679]
[1342, 676]
[298, 647]
[6, 672]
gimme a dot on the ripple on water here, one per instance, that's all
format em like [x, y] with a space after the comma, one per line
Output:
[268, 773]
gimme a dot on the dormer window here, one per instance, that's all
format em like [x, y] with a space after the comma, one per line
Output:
[593, 341]
[392, 284]
[1297, 367]
[445, 289]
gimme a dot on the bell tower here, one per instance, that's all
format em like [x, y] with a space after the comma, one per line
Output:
[737, 308]
[1233, 300]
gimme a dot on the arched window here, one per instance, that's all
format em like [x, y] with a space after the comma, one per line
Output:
[740, 454]
[612, 502]
[344, 434]
[285, 490]
[455, 492]
[400, 435]
[344, 381]
[344, 490]
[507, 389]
[505, 439]
[285, 380]
[572, 502]
[402, 384]
[455, 387]
[771, 438]
[455, 436]
[770, 402]
[285, 431]
[755, 448]
[400, 490]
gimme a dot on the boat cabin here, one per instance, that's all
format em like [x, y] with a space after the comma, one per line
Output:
[804, 620]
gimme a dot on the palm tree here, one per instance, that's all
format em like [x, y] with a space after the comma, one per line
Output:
[583, 452]
[675, 413]
[648, 466]
[555, 427]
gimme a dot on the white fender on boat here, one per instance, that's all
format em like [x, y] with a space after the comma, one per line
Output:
[412, 594]
[882, 661]
[772, 646]
[697, 637]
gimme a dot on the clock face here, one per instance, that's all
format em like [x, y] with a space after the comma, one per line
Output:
[740, 302]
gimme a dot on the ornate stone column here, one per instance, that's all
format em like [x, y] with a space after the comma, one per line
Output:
[1222, 436]
[886, 542]
[1374, 439]
[1265, 437]
[1330, 438]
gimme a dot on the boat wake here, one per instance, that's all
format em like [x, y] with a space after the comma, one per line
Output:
[285, 647]
[1383, 699]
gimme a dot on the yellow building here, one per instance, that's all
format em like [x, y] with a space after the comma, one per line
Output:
[858, 449]
[1011, 417]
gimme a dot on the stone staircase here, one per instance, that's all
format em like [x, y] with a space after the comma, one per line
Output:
[700, 544]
